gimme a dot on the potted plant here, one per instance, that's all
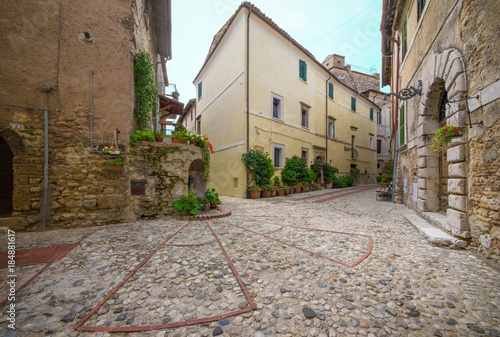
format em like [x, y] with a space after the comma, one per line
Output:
[158, 136]
[175, 95]
[285, 190]
[254, 191]
[141, 136]
[116, 164]
[212, 198]
[442, 137]
[181, 135]
[187, 204]
[267, 190]
[112, 149]
[328, 184]
[384, 180]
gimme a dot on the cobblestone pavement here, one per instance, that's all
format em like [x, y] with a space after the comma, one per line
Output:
[299, 265]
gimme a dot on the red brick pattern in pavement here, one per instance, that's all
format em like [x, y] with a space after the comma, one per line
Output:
[28, 257]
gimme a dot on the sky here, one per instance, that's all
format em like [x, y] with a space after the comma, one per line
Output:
[324, 27]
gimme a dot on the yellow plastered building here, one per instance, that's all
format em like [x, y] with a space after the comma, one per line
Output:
[259, 89]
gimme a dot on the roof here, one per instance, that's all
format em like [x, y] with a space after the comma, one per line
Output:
[386, 29]
[188, 106]
[169, 107]
[254, 10]
[161, 13]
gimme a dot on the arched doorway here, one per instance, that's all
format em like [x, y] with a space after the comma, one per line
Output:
[6, 178]
[443, 163]
[195, 181]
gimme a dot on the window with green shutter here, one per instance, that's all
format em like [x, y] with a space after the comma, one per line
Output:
[402, 125]
[353, 104]
[371, 113]
[199, 90]
[420, 8]
[303, 70]
[330, 90]
[403, 40]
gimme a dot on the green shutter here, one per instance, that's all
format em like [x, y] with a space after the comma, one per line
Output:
[371, 113]
[401, 125]
[404, 39]
[353, 104]
[330, 90]
[199, 90]
[303, 70]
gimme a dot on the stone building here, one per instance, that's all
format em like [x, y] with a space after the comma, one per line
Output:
[452, 48]
[67, 78]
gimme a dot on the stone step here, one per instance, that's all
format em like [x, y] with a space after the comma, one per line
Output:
[434, 235]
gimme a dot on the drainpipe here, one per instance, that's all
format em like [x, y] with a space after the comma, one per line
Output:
[248, 86]
[91, 112]
[396, 100]
[46, 88]
[326, 119]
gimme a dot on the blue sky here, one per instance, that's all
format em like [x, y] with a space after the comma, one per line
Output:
[349, 28]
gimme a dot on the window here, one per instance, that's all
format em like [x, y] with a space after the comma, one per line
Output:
[443, 106]
[402, 125]
[403, 40]
[304, 116]
[191, 114]
[371, 142]
[330, 90]
[304, 154]
[278, 155]
[198, 126]
[420, 8]
[303, 70]
[200, 87]
[379, 145]
[352, 147]
[331, 127]
[353, 104]
[379, 117]
[277, 106]
[371, 113]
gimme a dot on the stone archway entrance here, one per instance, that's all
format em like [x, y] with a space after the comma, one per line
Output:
[443, 178]
[6, 178]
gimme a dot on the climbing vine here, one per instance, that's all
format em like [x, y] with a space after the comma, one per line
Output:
[145, 90]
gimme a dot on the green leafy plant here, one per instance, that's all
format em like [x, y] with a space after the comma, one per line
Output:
[343, 181]
[253, 188]
[116, 162]
[267, 187]
[211, 197]
[383, 178]
[317, 167]
[277, 181]
[259, 165]
[137, 136]
[145, 90]
[187, 204]
[354, 171]
[329, 172]
[312, 176]
[442, 137]
[295, 170]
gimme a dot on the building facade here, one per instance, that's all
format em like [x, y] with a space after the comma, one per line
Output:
[67, 75]
[259, 89]
[447, 46]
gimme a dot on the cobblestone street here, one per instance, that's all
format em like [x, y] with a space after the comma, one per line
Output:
[322, 263]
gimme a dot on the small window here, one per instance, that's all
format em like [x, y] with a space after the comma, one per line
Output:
[403, 40]
[420, 8]
[370, 142]
[379, 117]
[278, 155]
[191, 114]
[303, 70]
[379, 145]
[331, 127]
[371, 113]
[330, 90]
[304, 153]
[304, 116]
[353, 104]
[277, 106]
[198, 126]
[200, 89]
[352, 148]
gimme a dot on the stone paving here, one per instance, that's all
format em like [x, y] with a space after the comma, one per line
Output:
[283, 266]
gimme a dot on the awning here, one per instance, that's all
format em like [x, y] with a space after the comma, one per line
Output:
[170, 108]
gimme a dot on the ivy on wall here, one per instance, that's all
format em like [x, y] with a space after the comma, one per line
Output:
[145, 90]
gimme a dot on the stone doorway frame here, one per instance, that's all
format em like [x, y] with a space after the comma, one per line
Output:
[447, 68]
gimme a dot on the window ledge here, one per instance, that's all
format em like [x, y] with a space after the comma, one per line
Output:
[305, 82]
[278, 120]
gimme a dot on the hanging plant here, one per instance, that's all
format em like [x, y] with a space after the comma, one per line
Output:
[442, 137]
[145, 90]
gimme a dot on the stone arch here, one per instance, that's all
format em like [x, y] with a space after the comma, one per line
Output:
[446, 75]
[195, 178]
[15, 141]
[6, 178]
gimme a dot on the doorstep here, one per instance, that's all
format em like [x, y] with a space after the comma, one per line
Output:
[434, 235]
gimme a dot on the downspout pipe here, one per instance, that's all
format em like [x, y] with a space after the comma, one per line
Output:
[326, 118]
[45, 219]
[248, 87]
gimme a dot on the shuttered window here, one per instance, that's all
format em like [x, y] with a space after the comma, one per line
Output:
[353, 104]
[330, 90]
[200, 87]
[371, 113]
[403, 40]
[303, 70]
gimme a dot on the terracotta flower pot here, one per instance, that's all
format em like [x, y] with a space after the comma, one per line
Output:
[159, 138]
[384, 185]
[273, 193]
[178, 141]
[266, 194]
[116, 168]
[281, 192]
[255, 194]
[297, 189]
[144, 138]
[193, 142]
[213, 205]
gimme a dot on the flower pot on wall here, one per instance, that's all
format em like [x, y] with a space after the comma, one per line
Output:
[159, 138]
[116, 168]
[178, 141]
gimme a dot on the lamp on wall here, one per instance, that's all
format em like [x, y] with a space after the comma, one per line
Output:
[407, 93]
